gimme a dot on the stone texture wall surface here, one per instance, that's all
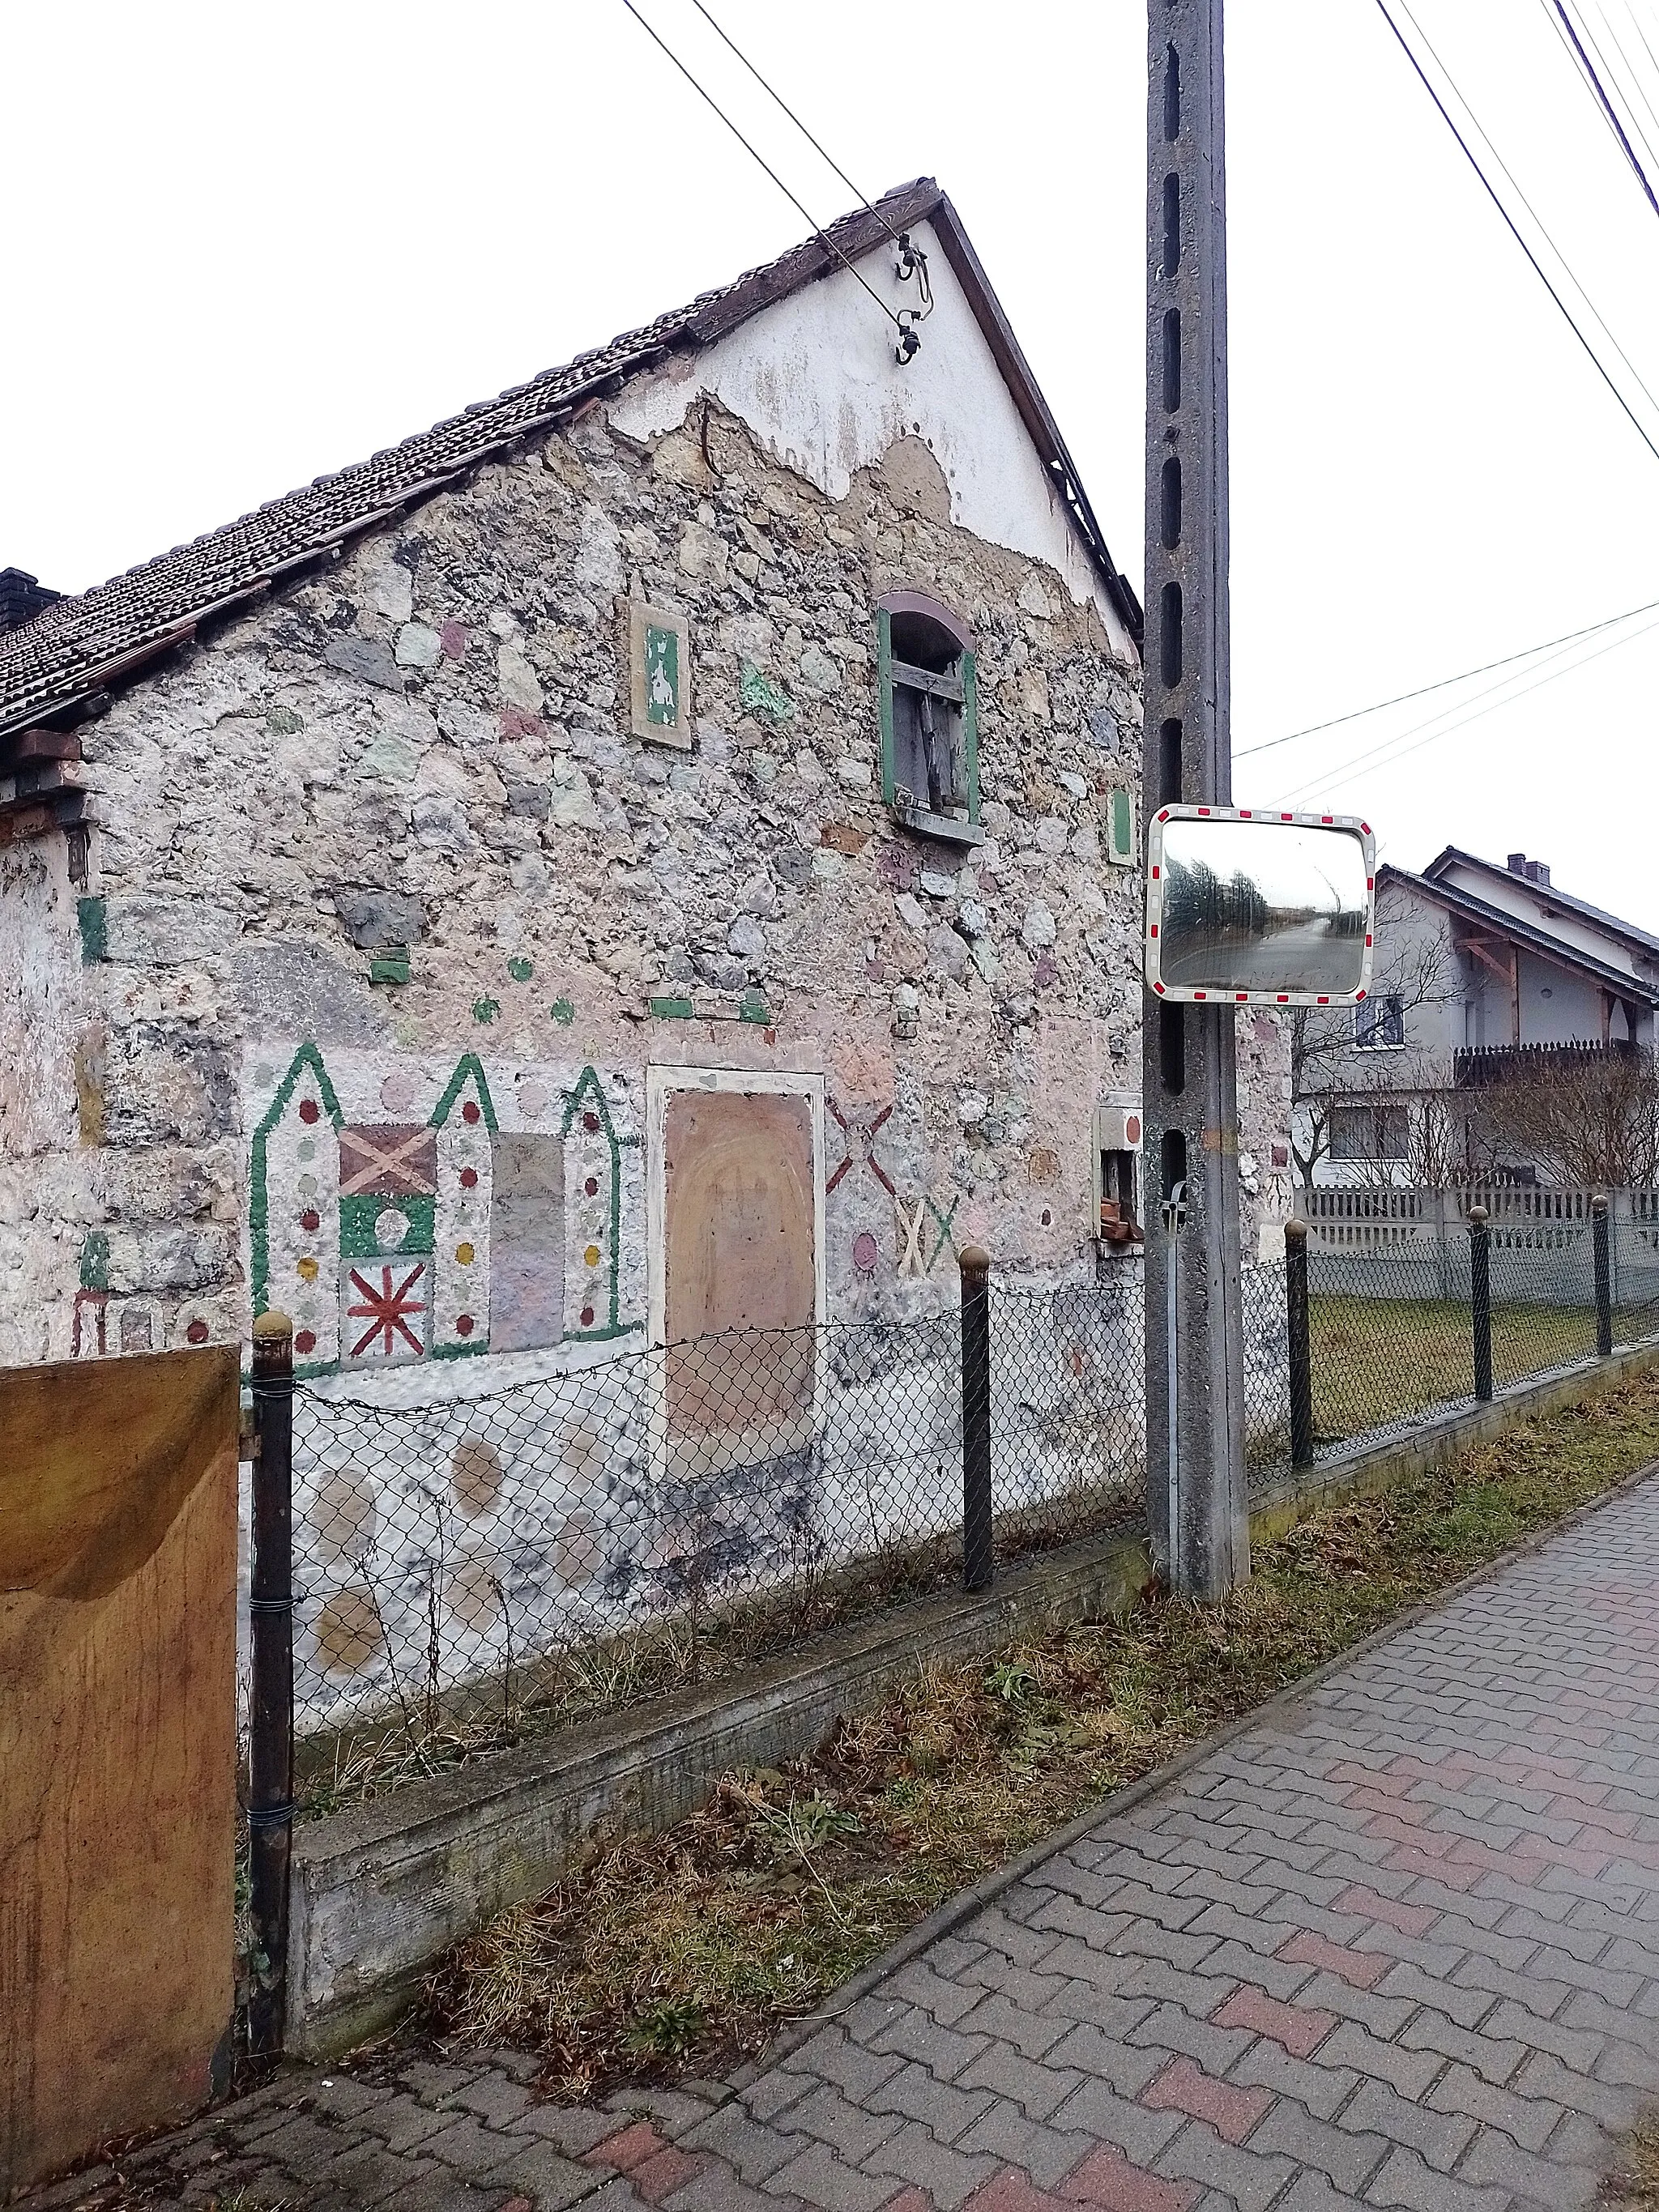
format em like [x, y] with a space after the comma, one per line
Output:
[427, 747]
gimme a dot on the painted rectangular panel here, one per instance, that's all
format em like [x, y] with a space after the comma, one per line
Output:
[118, 1746]
[388, 1157]
[526, 1244]
[384, 1308]
[739, 1228]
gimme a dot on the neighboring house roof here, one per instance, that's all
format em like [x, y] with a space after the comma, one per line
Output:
[80, 645]
[1548, 895]
[1503, 923]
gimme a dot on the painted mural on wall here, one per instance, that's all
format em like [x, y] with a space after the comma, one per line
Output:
[404, 1209]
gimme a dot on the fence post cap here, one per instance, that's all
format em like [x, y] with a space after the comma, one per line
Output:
[1599, 1202]
[974, 1260]
[1479, 1217]
[1296, 1231]
[274, 1323]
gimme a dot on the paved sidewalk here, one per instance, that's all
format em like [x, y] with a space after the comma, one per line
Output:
[1395, 1945]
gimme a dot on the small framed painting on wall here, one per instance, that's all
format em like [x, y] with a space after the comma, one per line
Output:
[658, 675]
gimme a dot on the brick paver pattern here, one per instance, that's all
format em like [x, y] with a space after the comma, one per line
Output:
[1395, 1945]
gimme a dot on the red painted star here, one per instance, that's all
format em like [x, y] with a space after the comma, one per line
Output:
[385, 1309]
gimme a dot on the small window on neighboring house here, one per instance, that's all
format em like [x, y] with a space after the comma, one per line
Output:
[1379, 1024]
[1371, 1132]
[929, 718]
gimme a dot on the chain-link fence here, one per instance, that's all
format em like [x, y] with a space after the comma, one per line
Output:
[471, 1567]
[494, 1561]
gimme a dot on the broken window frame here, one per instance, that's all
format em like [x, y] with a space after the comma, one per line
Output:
[953, 817]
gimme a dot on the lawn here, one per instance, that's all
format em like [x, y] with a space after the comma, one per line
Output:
[1381, 1360]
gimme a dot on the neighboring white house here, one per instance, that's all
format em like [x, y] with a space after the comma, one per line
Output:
[1485, 977]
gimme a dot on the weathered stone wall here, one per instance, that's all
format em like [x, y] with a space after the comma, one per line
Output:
[429, 745]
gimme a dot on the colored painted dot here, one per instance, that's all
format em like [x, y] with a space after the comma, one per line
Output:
[305, 1269]
[464, 1324]
[306, 1186]
[311, 1218]
[591, 1186]
[592, 1255]
[197, 1332]
[469, 1111]
[391, 1227]
[591, 1123]
[468, 1178]
[588, 1316]
[465, 1254]
[305, 1341]
[520, 969]
[305, 1149]
[308, 1109]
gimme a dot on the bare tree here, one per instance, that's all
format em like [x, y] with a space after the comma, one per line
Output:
[1590, 1120]
[1326, 1070]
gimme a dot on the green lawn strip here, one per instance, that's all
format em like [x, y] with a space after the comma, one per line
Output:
[691, 1947]
[1379, 1360]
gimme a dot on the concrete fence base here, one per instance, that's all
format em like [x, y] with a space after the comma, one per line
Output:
[382, 1890]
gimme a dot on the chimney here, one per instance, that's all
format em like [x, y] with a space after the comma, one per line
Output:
[1517, 864]
[1540, 873]
[21, 597]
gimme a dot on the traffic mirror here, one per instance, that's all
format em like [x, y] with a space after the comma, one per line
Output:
[1258, 907]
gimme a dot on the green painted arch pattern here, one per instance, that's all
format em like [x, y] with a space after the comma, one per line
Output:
[258, 1207]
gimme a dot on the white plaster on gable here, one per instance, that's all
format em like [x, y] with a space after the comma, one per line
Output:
[814, 377]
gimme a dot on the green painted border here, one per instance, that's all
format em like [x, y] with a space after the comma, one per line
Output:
[468, 1064]
[585, 1081]
[259, 1214]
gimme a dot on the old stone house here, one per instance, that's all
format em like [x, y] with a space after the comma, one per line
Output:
[652, 854]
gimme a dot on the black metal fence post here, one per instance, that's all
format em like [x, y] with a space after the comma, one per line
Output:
[1295, 1308]
[1480, 1298]
[270, 1732]
[1601, 1238]
[977, 1563]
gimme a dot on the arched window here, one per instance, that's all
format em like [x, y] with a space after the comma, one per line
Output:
[929, 718]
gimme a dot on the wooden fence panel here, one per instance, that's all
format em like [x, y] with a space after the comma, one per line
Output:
[118, 1746]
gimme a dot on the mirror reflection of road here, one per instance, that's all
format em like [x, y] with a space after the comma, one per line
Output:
[1303, 957]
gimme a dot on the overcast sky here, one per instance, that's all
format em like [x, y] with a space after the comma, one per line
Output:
[244, 247]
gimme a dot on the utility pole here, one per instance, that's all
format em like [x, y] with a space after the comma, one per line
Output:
[1195, 1384]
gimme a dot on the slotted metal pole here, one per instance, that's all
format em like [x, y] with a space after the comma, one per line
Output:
[1200, 1524]
[271, 1720]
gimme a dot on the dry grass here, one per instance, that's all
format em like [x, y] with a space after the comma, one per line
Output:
[1633, 2184]
[690, 1948]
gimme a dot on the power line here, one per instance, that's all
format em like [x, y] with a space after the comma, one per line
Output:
[1608, 109]
[1381, 756]
[1634, 79]
[1444, 683]
[818, 229]
[823, 152]
[1508, 222]
[1515, 185]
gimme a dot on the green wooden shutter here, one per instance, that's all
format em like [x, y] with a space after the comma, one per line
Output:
[1123, 828]
[884, 682]
[970, 733]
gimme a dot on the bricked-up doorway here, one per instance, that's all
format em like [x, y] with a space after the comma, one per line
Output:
[118, 1746]
[738, 1188]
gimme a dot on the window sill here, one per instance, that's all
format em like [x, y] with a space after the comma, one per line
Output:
[948, 828]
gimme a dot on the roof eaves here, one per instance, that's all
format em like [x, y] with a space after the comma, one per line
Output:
[1534, 941]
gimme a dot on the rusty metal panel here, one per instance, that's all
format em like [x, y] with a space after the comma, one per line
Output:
[740, 1254]
[118, 1746]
